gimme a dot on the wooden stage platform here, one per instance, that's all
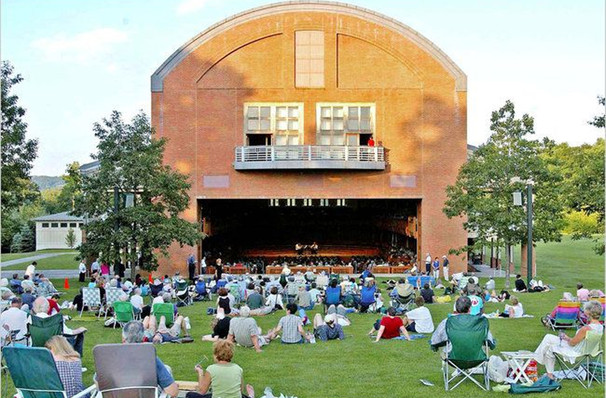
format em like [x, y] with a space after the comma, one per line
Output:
[344, 252]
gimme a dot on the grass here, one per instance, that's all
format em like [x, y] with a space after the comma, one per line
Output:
[63, 261]
[17, 256]
[356, 367]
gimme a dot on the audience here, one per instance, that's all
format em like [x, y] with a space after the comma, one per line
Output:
[134, 332]
[520, 285]
[244, 331]
[327, 329]
[419, 320]
[219, 326]
[291, 326]
[568, 346]
[160, 333]
[582, 293]
[427, 294]
[68, 365]
[390, 326]
[515, 310]
[303, 299]
[15, 320]
[223, 377]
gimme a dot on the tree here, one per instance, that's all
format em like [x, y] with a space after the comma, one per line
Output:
[598, 121]
[24, 240]
[18, 153]
[71, 191]
[133, 201]
[70, 238]
[483, 192]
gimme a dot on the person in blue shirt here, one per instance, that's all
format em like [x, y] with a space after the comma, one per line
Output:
[367, 295]
[333, 293]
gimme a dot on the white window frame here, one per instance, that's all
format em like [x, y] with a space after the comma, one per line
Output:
[346, 132]
[273, 121]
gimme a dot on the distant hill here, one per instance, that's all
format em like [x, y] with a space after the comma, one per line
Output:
[47, 182]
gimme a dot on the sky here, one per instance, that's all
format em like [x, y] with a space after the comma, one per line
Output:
[82, 59]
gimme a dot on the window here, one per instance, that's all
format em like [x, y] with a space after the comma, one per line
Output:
[345, 124]
[307, 202]
[274, 124]
[44, 225]
[54, 225]
[291, 202]
[73, 225]
[274, 202]
[80, 224]
[309, 59]
[63, 225]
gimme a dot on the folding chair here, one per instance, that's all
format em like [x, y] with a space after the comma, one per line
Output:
[123, 312]
[182, 293]
[566, 316]
[235, 291]
[602, 300]
[91, 297]
[166, 310]
[42, 329]
[466, 350]
[22, 361]
[111, 296]
[591, 349]
[117, 378]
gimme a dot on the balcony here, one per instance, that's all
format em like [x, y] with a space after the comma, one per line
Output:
[308, 157]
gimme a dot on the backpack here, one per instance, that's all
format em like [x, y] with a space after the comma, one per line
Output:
[544, 384]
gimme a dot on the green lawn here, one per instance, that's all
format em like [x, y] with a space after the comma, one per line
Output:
[63, 261]
[356, 367]
[16, 256]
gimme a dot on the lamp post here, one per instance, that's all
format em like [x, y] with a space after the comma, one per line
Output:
[517, 200]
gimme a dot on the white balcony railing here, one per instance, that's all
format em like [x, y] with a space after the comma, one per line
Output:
[309, 157]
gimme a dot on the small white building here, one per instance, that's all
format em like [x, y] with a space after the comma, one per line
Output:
[52, 230]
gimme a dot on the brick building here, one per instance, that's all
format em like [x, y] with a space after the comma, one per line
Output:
[271, 112]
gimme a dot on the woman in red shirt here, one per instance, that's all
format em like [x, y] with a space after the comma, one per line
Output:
[391, 326]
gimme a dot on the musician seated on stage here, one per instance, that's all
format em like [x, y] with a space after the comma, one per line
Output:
[313, 248]
[299, 248]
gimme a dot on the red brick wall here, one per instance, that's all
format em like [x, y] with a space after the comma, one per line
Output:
[420, 116]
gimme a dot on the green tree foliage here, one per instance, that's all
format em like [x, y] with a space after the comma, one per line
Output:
[24, 240]
[582, 225]
[18, 153]
[70, 238]
[483, 192]
[71, 191]
[131, 161]
[598, 121]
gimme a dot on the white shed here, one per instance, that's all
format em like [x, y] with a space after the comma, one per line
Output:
[52, 230]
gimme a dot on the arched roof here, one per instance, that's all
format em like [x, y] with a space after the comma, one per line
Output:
[157, 79]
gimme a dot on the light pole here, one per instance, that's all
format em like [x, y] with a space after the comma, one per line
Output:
[517, 200]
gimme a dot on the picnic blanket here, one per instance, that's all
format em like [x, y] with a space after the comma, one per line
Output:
[495, 315]
[412, 337]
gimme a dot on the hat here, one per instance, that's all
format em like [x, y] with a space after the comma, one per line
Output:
[329, 318]
[4, 282]
[157, 282]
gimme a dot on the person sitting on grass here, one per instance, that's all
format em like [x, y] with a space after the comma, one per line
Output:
[254, 300]
[520, 284]
[274, 300]
[515, 310]
[327, 329]
[315, 293]
[134, 332]
[224, 377]
[419, 320]
[74, 336]
[569, 346]
[390, 326]
[291, 326]
[160, 333]
[219, 326]
[427, 294]
[333, 293]
[244, 331]
[303, 299]
[68, 364]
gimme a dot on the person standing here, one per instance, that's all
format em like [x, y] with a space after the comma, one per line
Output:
[81, 271]
[95, 267]
[218, 269]
[31, 270]
[436, 268]
[428, 264]
[203, 266]
[445, 264]
[371, 142]
[191, 266]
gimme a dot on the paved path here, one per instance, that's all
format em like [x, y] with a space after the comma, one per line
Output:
[33, 258]
[484, 271]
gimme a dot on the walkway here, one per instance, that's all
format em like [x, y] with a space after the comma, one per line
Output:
[49, 273]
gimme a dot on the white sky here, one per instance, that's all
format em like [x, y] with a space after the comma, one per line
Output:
[82, 59]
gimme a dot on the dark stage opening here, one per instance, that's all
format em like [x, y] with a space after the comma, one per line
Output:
[341, 227]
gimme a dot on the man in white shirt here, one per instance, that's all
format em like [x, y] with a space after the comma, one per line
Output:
[95, 267]
[31, 270]
[428, 264]
[74, 336]
[81, 271]
[14, 319]
[419, 320]
[137, 301]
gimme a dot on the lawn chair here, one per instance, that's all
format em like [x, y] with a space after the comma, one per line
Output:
[22, 361]
[91, 298]
[166, 310]
[182, 293]
[602, 300]
[591, 349]
[123, 312]
[112, 295]
[566, 316]
[42, 329]
[466, 350]
[118, 378]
